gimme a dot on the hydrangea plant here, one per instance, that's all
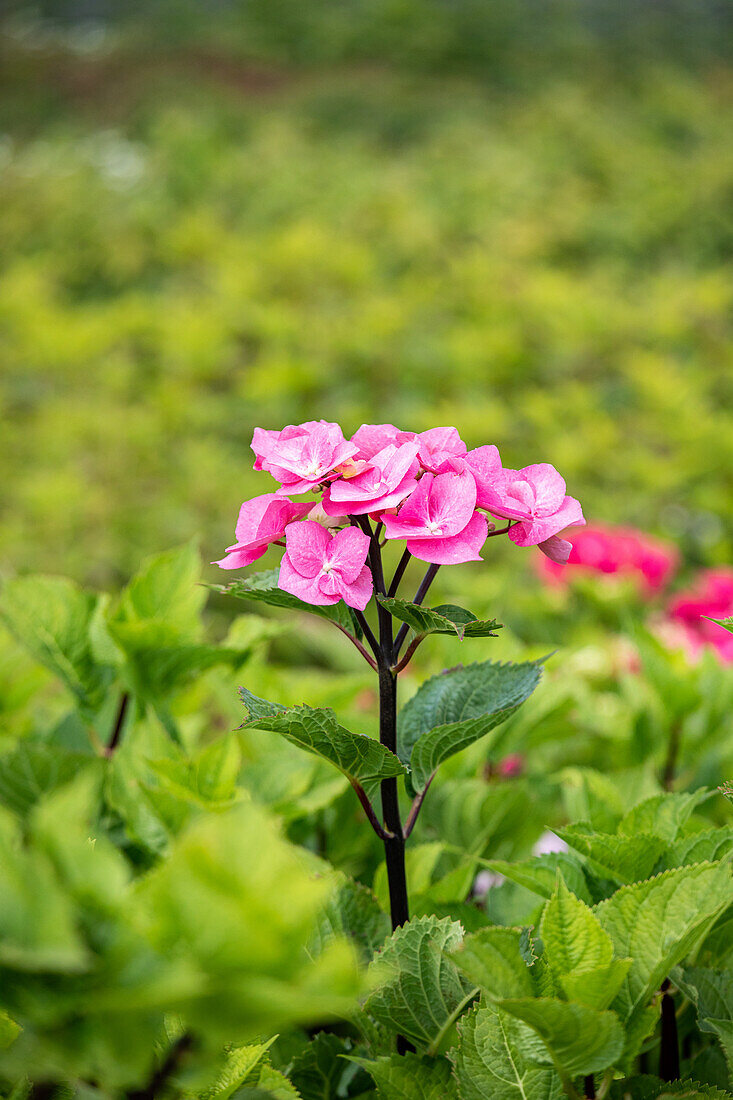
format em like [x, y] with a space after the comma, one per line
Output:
[438, 502]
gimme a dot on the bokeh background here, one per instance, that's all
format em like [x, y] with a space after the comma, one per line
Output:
[513, 217]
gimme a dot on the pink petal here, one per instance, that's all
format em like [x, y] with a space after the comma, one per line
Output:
[556, 549]
[239, 556]
[452, 501]
[534, 531]
[508, 495]
[372, 438]
[459, 548]
[484, 463]
[348, 553]
[307, 544]
[305, 588]
[548, 485]
[356, 593]
[437, 446]
[414, 515]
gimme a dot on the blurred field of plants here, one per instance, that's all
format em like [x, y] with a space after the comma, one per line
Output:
[512, 218]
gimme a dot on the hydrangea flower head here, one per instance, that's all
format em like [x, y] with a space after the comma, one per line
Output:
[439, 521]
[322, 568]
[535, 497]
[301, 456]
[261, 521]
[388, 478]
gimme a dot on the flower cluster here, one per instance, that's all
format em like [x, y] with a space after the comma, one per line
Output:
[619, 552]
[426, 490]
[690, 613]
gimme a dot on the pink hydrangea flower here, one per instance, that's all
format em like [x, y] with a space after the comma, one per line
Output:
[322, 568]
[439, 520]
[616, 551]
[535, 496]
[511, 766]
[370, 439]
[439, 447]
[711, 596]
[484, 463]
[301, 456]
[386, 481]
[261, 521]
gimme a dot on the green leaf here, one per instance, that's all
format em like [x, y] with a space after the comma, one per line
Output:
[52, 618]
[597, 987]
[706, 847]
[263, 587]
[656, 923]
[652, 1088]
[274, 1084]
[490, 1060]
[209, 780]
[539, 873]
[239, 1063]
[166, 589]
[491, 958]
[621, 858]
[34, 769]
[409, 1077]
[352, 911]
[317, 1070]
[9, 1030]
[445, 619]
[316, 730]
[37, 922]
[572, 935]
[662, 815]
[711, 991]
[452, 710]
[420, 989]
[578, 1039]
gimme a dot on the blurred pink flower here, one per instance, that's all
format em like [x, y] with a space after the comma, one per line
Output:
[547, 844]
[301, 456]
[321, 568]
[511, 766]
[616, 551]
[712, 595]
[535, 497]
[261, 521]
[386, 481]
[439, 520]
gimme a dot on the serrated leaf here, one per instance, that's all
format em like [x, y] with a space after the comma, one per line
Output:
[445, 619]
[539, 873]
[662, 815]
[420, 988]
[316, 730]
[317, 1069]
[239, 1063]
[490, 1060]
[491, 958]
[656, 923]
[652, 1088]
[706, 847]
[274, 1084]
[578, 1039]
[711, 991]
[352, 911]
[452, 710]
[52, 618]
[409, 1077]
[621, 858]
[572, 936]
[597, 987]
[263, 587]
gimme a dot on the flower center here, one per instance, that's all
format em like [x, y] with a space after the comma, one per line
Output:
[435, 528]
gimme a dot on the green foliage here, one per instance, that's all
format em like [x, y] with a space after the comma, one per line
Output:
[361, 759]
[451, 711]
[446, 619]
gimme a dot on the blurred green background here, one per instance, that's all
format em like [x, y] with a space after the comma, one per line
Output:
[512, 217]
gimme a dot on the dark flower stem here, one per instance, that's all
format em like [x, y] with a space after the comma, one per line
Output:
[589, 1088]
[669, 1049]
[119, 724]
[399, 573]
